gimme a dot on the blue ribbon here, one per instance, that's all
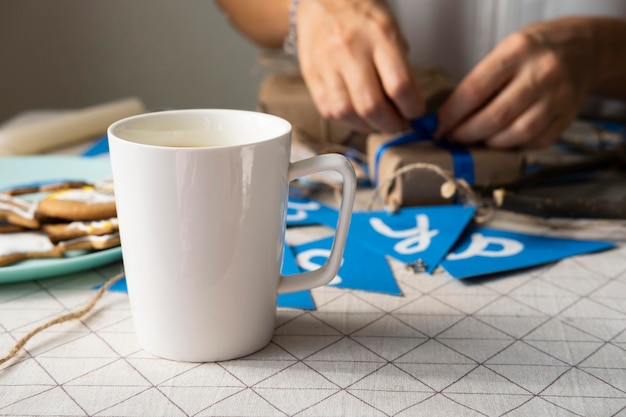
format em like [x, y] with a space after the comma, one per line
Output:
[424, 129]
[462, 162]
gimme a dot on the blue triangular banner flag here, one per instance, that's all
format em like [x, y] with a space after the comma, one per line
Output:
[118, 286]
[305, 212]
[413, 233]
[99, 147]
[375, 275]
[290, 266]
[299, 299]
[483, 251]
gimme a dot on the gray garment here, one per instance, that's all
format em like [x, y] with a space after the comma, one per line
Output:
[456, 34]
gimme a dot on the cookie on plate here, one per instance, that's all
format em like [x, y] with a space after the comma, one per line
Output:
[90, 242]
[81, 204]
[75, 229]
[19, 212]
[47, 186]
[67, 216]
[16, 247]
[21, 246]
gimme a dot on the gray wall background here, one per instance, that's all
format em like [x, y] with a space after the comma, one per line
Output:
[75, 53]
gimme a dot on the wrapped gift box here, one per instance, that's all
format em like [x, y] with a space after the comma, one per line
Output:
[423, 186]
[285, 94]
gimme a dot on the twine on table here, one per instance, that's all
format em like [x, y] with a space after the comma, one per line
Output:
[73, 315]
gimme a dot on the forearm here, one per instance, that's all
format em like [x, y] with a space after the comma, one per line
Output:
[265, 22]
[610, 39]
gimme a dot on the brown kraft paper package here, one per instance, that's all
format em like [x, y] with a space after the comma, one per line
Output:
[423, 186]
[284, 94]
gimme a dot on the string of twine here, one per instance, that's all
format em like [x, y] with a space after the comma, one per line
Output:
[485, 209]
[62, 318]
[450, 188]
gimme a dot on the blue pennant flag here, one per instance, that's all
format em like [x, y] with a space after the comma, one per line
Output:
[375, 275]
[304, 212]
[412, 235]
[299, 299]
[118, 286]
[98, 148]
[483, 251]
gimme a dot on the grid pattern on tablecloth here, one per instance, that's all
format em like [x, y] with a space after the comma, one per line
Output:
[550, 341]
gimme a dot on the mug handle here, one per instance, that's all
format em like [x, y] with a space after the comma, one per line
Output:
[328, 271]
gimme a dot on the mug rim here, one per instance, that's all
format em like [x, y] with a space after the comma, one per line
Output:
[286, 129]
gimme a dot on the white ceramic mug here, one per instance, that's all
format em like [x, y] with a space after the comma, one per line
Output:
[201, 201]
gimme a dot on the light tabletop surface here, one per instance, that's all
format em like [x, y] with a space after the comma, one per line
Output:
[547, 341]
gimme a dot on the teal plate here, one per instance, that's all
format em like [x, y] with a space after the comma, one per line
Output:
[23, 170]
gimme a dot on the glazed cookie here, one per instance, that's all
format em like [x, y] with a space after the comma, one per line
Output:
[43, 187]
[65, 231]
[16, 247]
[18, 211]
[90, 242]
[79, 204]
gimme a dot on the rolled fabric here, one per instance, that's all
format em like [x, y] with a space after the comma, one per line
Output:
[67, 128]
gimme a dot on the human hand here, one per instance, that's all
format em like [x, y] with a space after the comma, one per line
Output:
[353, 59]
[527, 90]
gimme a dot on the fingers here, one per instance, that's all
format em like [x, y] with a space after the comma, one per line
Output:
[398, 82]
[369, 99]
[333, 101]
[483, 83]
[358, 101]
[496, 115]
[354, 63]
[370, 95]
[536, 128]
[522, 94]
[534, 122]
[528, 127]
